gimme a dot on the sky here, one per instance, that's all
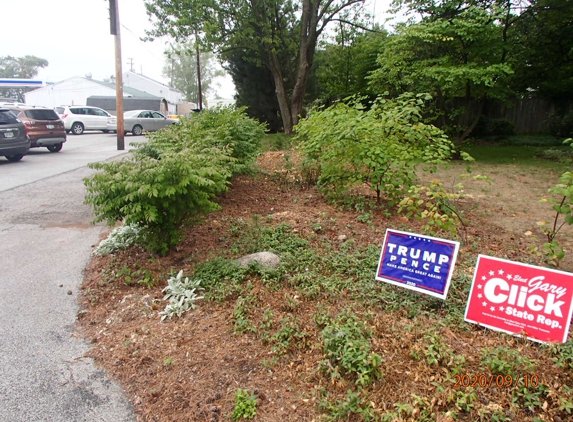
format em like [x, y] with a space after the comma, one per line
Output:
[73, 35]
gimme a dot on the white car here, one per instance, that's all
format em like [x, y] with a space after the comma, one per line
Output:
[78, 119]
[139, 121]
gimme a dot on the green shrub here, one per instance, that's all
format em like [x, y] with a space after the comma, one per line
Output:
[160, 195]
[380, 146]
[225, 128]
[245, 405]
[348, 351]
[173, 179]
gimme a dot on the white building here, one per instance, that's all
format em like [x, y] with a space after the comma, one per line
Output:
[75, 91]
[153, 87]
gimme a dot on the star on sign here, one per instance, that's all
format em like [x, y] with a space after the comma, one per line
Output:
[491, 273]
[480, 296]
[509, 277]
[479, 286]
[483, 277]
[500, 272]
[484, 303]
[501, 308]
[492, 308]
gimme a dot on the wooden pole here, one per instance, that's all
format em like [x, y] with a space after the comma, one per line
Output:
[114, 14]
[199, 75]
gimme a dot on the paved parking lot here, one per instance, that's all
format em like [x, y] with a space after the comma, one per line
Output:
[45, 242]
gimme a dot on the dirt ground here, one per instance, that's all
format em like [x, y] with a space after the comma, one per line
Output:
[188, 369]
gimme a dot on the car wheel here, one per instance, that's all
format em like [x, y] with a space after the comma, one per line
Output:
[137, 130]
[14, 158]
[77, 128]
[55, 147]
[105, 131]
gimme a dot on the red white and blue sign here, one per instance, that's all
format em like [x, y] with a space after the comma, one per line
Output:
[521, 299]
[416, 262]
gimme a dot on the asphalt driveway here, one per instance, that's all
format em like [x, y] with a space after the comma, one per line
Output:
[45, 243]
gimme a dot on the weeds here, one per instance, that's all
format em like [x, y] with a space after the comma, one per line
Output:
[348, 351]
[245, 405]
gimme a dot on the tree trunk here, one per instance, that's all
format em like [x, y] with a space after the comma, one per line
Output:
[308, 37]
[281, 93]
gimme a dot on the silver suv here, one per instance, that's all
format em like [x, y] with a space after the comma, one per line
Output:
[78, 119]
[14, 143]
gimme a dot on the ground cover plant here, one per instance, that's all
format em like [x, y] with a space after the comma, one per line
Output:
[318, 338]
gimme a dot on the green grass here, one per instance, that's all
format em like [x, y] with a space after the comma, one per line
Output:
[523, 155]
[276, 142]
[526, 140]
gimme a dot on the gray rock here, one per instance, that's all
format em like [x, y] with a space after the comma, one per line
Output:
[264, 259]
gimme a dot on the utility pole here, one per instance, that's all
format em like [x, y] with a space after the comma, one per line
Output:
[200, 91]
[114, 30]
[130, 63]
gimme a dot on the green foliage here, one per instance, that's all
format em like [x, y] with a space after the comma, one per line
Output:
[26, 67]
[348, 351]
[287, 336]
[181, 293]
[436, 352]
[119, 239]
[457, 52]
[240, 313]
[563, 354]
[245, 405]
[226, 128]
[353, 404]
[342, 64]
[378, 146]
[221, 278]
[563, 207]
[507, 362]
[181, 69]
[160, 195]
[438, 207]
[173, 179]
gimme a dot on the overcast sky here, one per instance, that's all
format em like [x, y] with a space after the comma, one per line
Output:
[73, 35]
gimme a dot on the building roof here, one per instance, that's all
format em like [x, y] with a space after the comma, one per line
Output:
[127, 90]
[154, 81]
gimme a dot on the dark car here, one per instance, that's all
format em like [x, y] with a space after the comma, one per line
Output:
[14, 143]
[43, 126]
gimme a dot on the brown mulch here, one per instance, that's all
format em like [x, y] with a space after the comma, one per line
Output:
[189, 368]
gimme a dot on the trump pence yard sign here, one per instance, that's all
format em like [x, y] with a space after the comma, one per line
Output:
[521, 299]
[421, 263]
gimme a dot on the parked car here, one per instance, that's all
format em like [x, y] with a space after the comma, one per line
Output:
[78, 119]
[43, 127]
[14, 143]
[138, 121]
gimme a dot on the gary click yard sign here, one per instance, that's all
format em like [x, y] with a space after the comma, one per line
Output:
[421, 263]
[521, 299]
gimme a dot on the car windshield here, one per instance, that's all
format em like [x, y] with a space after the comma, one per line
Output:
[7, 117]
[40, 114]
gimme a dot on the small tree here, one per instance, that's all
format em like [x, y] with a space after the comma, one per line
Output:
[377, 146]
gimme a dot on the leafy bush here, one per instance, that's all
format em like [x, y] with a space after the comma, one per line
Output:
[120, 238]
[160, 195]
[563, 207]
[245, 405]
[493, 127]
[225, 128]
[379, 146]
[181, 294]
[173, 179]
[345, 342]
[560, 125]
